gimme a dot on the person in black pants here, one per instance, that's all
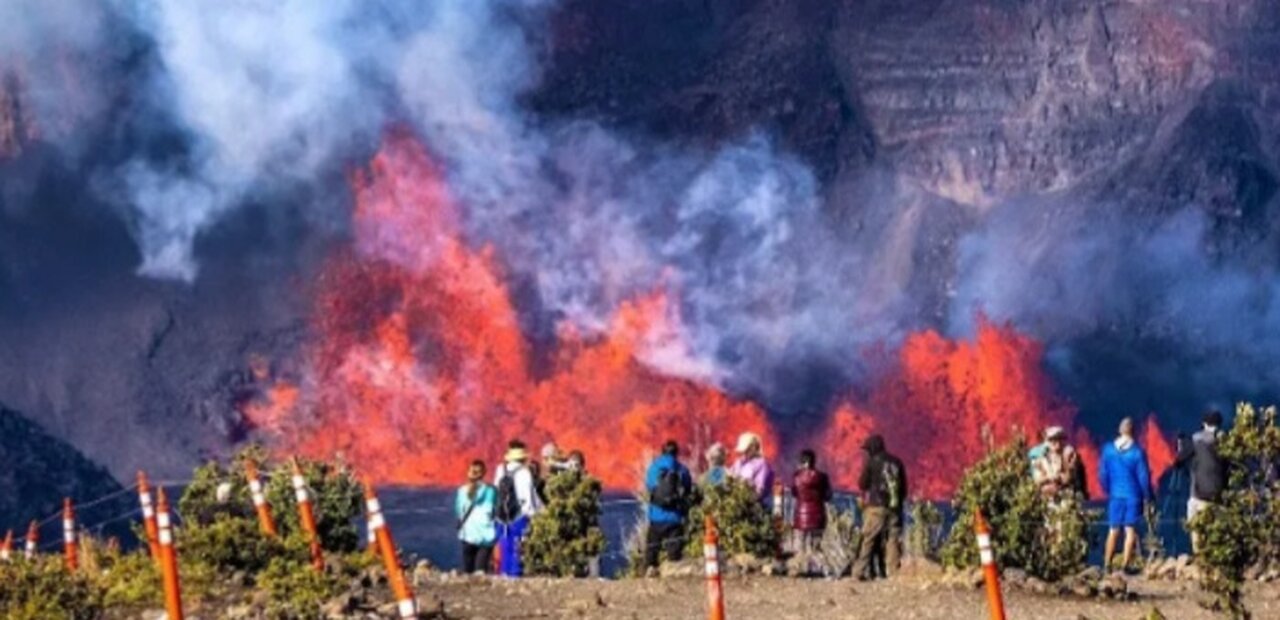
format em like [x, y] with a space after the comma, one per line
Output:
[670, 488]
[474, 507]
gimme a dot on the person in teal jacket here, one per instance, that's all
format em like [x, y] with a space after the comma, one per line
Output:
[474, 506]
[1126, 479]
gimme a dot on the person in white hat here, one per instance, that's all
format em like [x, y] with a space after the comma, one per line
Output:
[1054, 467]
[517, 502]
[752, 468]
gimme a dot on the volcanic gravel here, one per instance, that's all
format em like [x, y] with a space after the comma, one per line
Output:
[773, 598]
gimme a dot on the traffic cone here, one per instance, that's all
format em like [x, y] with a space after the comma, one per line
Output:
[70, 545]
[991, 574]
[715, 587]
[387, 548]
[168, 559]
[149, 516]
[260, 505]
[33, 540]
[307, 516]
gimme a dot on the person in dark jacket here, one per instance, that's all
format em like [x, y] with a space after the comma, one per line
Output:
[670, 488]
[1126, 479]
[883, 482]
[1208, 472]
[812, 490]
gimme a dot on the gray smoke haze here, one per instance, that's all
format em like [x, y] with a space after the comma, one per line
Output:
[1070, 274]
[271, 95]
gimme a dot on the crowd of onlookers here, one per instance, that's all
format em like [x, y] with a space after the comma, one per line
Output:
[493, 518]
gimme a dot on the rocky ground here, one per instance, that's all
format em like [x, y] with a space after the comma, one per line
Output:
[772, 598]
[921, 592]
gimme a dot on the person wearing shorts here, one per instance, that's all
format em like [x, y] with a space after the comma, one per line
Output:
[1126, 479]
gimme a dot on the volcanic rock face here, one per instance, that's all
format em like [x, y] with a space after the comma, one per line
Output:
[38, 471]
[918, 117]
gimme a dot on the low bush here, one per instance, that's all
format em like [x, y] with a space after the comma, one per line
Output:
[43, 588]
[295, 589]
[925, 530]
[1242, 530]
[1049, 542]
[743, 523]
[565, 540]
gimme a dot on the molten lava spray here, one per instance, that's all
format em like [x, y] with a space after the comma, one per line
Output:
[935, 397]
[419, 363]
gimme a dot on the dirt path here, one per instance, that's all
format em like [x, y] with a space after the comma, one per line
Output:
[763, 598]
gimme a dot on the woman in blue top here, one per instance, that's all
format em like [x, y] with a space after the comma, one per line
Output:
[474, 508]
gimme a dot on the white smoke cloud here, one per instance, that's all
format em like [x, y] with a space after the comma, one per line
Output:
[269, 92]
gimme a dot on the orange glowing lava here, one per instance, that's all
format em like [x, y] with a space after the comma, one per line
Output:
[933, 400]
[419, 363]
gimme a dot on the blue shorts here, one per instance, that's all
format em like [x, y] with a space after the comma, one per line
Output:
[1124, 512]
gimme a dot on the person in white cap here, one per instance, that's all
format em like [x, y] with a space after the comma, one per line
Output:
[752, 468]
[1054, 468]
[517, 502]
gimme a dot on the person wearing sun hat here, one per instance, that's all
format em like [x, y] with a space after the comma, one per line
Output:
[752, 468]
[517, 502]
[1054, 468]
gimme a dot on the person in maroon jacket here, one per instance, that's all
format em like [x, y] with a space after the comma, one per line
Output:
[812, 490]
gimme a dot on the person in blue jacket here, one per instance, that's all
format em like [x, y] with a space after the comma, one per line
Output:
[1126, 479]
[670, 488]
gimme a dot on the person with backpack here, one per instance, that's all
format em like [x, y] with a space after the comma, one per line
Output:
[517, 502]
[1208, 471]
[670, 488]
[474, 506]
[883, 482]
[812, 490]
[1126, 479]
[752, 468]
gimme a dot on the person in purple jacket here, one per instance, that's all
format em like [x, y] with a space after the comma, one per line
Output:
[752, 468]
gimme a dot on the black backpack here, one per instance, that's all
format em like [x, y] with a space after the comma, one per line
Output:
[670, 492]
[508, 508]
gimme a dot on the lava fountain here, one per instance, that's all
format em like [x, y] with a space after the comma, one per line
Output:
[418, 364]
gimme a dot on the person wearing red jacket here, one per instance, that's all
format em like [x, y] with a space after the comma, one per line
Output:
[812, 490]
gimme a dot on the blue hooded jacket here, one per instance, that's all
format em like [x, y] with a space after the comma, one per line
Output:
[1124, 473]
[658, 515]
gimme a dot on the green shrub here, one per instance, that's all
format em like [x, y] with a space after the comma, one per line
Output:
[925, 530]
[295, 589]
[42, 588]
[840, 541]
[565, 538]
[1243, 529]
[228, 544]
[743, 523]
[1027, 533]
[130, 580]
[336, 497]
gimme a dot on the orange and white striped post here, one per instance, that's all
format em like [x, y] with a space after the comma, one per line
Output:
[371, 542]
[990, 573]
[260, 505]
[149, 516]
[70, 545]
[387, 549]
[6, 548]
[168, 559]
[33, 540]
[715, 587]
[307, 515]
